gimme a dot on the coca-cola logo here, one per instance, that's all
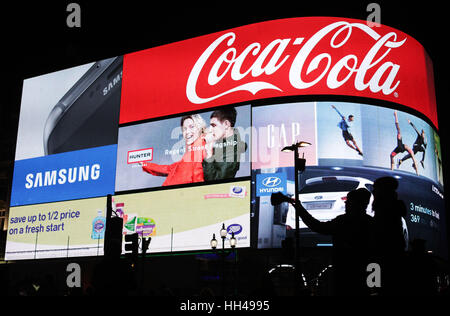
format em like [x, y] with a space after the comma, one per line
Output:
[370, 69]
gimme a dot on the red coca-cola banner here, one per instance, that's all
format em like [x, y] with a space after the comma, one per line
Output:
[298, 56]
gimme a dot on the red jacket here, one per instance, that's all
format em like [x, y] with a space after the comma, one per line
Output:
[188, 170]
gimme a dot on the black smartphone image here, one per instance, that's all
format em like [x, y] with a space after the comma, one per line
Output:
[88, 114]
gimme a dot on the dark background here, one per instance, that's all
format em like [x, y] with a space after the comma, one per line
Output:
[35, 40]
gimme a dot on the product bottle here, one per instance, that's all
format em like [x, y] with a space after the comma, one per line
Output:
[98, 226]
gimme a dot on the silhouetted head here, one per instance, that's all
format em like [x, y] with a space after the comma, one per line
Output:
[385, 186]
[384, 191]
[357, 201]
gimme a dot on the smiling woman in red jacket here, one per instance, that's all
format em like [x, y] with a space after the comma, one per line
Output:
[189, 169]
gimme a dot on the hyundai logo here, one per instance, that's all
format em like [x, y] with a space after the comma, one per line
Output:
[271, 182]
[318, 197]
[234, 228]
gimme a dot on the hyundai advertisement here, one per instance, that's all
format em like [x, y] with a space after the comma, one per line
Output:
[355, 144]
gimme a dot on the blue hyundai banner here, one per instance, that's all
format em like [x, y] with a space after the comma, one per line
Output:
[73, 175]
[268, 183]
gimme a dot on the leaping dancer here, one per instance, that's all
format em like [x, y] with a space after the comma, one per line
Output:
[345, 127]
[419, 145]
[401, 147]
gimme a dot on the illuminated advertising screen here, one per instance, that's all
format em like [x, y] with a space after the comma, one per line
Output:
[59, 229]
[352, 145]
[67, 135]
[175, 151]
[189, 136]
[185, 218]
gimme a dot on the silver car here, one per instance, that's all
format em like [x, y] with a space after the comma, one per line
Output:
[324, 198]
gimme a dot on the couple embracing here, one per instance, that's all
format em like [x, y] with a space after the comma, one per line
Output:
[211, 153]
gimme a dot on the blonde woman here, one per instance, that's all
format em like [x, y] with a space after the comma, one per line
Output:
[189, 169]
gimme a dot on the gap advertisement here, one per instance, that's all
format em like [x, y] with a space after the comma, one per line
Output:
[281, 125]
[199, 147]
[351, 146]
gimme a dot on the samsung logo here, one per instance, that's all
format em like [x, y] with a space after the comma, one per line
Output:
[112, 84]
[271, 182]
[62, 176]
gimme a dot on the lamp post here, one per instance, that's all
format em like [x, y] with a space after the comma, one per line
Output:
[233, 243]
[299, 166]
[223, 234]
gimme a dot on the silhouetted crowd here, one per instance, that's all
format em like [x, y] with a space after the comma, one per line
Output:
[369, 256]
[369, 253]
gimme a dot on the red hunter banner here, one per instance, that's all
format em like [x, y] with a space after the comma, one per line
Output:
[298, 56]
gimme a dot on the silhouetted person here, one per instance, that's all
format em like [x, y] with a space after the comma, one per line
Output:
[421, 271]
[389, 239]
[352, 242]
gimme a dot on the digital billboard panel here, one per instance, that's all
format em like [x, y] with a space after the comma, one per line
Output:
[374, 142]
[188, 136]
[279, 58]
[67, 135]
[186, 218]
[73, 228]
[175, 151]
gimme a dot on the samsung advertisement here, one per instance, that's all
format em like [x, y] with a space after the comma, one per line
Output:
[189, 136]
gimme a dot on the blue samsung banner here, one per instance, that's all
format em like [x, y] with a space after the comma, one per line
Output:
[73, 175]
[268, 183]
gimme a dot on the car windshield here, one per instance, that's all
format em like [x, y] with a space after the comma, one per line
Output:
[330, 186]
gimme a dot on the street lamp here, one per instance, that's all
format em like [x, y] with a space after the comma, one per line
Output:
[299, 166]
[296, 145]
[223, 234]
[214, 242]
[233, 241]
